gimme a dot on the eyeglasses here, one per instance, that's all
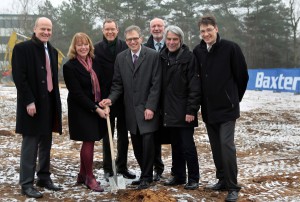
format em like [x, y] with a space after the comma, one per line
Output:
[208, 30]
[132, 39]
[110, 29]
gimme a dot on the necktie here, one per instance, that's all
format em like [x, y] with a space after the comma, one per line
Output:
[159, 46]
[49, 73]
[135, 57]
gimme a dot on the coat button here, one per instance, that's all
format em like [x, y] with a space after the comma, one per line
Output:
[43, 81]
[206, 75]
[42, 67]
[165, 124]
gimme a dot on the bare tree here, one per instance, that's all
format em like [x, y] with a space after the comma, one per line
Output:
[294, 17]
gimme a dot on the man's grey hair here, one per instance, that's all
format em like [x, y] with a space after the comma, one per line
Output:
[175, 30]
[133, 28]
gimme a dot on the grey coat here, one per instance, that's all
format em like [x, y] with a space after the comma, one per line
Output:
[141, 86]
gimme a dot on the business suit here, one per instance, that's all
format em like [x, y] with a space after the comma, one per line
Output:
[158, 163]
[141, 85]
[105, 59]
[29, 74]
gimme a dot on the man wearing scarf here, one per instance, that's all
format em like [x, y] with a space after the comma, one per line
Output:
[105, 56]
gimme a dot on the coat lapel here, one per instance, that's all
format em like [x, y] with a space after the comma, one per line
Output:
[141, 58]
[128, 59]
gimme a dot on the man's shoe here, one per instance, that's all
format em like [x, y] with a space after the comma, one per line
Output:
[127, 174]
[48, 184]
[157, 177]
[232, 196]
[220, 186]
[143, 185]
[31, 192]
[136, 182]
[107, 175]
[173, 181]
[191, 186]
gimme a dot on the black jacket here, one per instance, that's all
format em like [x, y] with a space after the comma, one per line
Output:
[150, 44]
[104, 65]
[224, 79]
[30, 77]
[180, 88]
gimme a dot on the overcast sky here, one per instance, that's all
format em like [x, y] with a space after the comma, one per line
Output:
[14, 6]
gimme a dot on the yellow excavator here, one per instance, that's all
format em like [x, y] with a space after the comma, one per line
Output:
[6, 77]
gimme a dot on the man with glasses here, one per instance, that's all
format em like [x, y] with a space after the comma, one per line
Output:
[138, 75]
[224, 79]
[156, 41]
[106, 52]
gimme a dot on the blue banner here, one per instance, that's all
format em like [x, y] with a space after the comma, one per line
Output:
[277, 79]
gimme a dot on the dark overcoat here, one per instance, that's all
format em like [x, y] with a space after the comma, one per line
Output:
[84, 122]
[104, 64]
[141, 86]
[30, 77]
[181, 89]
[224, 79]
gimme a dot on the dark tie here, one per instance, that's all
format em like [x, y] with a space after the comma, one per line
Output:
[159, 46]
[135, 57]
[49, 73]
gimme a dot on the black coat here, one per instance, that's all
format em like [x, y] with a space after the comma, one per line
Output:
[224, 79]
[150, 44]
[84, 123]
[180, 88]
[141, 86]
[30, 77]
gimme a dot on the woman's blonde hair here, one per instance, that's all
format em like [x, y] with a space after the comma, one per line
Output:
[78, 37]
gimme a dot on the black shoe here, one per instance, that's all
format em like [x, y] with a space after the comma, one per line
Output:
[136, 182]
[107, 175]
[144, 185]
[173, 181]
[157, 177]
[232, 196]
[127, 174]
[191, 186]
[31, 192]
[48, 184]
[220, 186]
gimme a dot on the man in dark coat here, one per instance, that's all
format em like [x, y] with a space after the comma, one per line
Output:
[35, 73]
[138, 75]
[156, 41]
[224, 79]
[106, 52]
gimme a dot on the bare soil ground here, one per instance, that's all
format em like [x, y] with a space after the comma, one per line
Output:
[268, 148]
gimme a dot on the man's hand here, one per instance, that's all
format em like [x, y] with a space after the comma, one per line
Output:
[105, 103]
[31, 110]
[189, 118]
[148, 114]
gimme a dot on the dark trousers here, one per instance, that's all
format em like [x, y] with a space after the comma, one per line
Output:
[158, 163]
[122, 145]
[184, 153]
[221, 137]
[31, 147]
[143, 147]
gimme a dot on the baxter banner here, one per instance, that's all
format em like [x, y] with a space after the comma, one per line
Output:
[277, 79]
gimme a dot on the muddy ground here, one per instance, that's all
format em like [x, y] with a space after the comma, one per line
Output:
[268, 148]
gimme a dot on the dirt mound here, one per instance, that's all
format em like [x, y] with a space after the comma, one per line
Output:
[145, 196]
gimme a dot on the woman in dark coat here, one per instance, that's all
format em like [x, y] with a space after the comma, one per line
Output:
[84, 114]
[180, 102]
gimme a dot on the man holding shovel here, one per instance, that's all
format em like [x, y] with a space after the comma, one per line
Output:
[137, 74]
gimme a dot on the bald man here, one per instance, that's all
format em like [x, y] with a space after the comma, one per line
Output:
[156, 41]
[35, 73]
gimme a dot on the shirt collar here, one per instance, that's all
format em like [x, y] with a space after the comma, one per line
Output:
[137, 53]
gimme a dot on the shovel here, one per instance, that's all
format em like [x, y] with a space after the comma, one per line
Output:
[116, 181]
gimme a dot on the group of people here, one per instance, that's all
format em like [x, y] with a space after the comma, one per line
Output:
[153, 90]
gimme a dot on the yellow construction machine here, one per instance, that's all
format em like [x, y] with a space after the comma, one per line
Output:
[15, 38]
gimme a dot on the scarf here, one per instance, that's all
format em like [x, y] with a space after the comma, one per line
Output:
[95, 83]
